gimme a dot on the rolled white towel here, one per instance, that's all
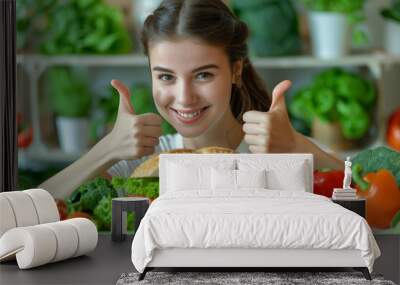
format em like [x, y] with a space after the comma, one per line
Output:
[40, 244]
[7, 217]
[23, 208]
[45, 205]
[26, 208]
[66, 238]
[33, 246]
[87, 235]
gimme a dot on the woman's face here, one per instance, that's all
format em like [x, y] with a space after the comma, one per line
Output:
[192, 84]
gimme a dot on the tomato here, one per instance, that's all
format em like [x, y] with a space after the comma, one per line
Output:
[62, 209]
[25, 138]
[393, 130]
[326, 181]
[79, 214]
[25, 133]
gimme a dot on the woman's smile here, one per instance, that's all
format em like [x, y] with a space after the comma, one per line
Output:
[189, 116]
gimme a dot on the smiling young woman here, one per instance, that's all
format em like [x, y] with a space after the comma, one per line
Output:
[205, 86]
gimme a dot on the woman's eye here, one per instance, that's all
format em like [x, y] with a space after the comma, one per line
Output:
[204, 76]
[165, 77]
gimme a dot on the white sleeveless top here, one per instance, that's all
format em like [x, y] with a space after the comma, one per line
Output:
[125, 168]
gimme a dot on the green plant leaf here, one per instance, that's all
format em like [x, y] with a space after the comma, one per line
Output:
[392, 12]
[85, 26]
[69, 93]
[336, 95]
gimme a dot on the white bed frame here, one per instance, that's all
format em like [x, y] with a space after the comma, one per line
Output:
[251, 258]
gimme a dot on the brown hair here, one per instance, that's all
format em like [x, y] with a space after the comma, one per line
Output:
[212, 22]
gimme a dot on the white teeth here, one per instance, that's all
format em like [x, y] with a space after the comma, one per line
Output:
[189, 115]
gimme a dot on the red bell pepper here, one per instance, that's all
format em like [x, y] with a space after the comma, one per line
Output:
[381, 193]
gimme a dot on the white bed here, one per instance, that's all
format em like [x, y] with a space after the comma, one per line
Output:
[201, 221]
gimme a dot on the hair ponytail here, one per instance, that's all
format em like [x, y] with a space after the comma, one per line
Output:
[250, 93]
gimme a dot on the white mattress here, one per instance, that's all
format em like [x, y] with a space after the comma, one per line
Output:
[256, 218]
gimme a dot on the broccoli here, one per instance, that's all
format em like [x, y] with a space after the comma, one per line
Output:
[96, 197]
[103, 214]
[381, 157]
[88, 195]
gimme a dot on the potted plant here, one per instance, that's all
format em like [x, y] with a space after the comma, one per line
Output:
[71, 102]
[392, 28]
[337, 107]
[30, 17]
[273, 25]
[142, 9]
[85, 27]
[330, 23]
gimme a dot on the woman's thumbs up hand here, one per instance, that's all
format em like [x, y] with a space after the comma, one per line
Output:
[271, 131]
[133, 136]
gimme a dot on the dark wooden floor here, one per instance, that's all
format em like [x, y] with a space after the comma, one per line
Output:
[110, 259]
[102, 266]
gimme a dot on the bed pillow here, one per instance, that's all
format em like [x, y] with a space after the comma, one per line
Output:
[293, 179]
[280, 175]
[251, 178]
[183, 175]
[223, 179]
[230, 180]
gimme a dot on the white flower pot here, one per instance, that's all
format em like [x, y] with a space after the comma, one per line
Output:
[142, 9]
[73, 134]
[392, 37]
[330, 34]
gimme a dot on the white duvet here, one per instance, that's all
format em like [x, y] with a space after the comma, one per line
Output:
[250, 219]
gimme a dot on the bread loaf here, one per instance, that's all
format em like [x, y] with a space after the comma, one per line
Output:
[149, 167]
[214, 149]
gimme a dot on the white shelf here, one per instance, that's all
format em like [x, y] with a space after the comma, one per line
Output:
[86, 60]
[301, 61]
[38, 153]
[308, 61]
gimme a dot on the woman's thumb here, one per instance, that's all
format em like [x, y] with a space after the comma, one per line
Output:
[124, 97]
[278, 95]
